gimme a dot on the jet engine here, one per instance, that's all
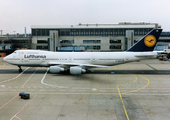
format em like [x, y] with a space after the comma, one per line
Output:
[56, 69]
[76, 70]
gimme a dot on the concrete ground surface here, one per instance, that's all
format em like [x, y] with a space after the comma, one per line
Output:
[134, 91]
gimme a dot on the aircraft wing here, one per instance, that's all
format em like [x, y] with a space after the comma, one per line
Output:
[74, 64]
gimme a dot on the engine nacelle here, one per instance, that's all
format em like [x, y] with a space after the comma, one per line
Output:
[76, 70]
[56, 69]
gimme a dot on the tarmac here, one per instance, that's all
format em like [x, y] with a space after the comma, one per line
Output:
[132, 91]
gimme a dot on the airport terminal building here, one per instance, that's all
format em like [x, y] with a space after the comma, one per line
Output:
[89, 37]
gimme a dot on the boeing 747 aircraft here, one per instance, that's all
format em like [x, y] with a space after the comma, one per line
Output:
[80, 62]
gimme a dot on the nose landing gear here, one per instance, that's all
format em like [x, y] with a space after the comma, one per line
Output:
[20, 70]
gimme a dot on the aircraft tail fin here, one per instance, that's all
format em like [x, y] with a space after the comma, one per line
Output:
[147, 43]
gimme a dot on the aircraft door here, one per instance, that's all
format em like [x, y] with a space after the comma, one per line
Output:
[70, 60]
[42, 59]
[21, 55]
[93, 60]
[126, 59]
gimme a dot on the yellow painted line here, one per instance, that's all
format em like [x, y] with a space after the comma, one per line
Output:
[130, 82]
[3, 65]
[122, 103]
[139, 88]
[110, 68]
[120, 94]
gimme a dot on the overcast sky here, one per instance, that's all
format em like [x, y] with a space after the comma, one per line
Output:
[17, 14]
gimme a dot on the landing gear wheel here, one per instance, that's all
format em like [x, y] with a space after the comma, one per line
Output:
[20, 70]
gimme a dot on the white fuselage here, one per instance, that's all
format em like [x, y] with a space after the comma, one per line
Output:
[40, 58]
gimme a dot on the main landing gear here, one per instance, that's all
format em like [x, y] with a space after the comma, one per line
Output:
[20, 70]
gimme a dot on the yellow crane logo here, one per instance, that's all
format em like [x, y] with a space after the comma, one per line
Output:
[150, 40]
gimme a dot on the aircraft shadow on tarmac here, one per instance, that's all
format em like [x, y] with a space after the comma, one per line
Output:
[31, 71]
[82, 77]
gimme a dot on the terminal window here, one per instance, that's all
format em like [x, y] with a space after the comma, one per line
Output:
[115, 46]
[91, 41]
[7, 41]
[93, 47]
[42, 41]
[90, 32]
[115, 41]
[42, 47]
[67, 41]
[19, 41]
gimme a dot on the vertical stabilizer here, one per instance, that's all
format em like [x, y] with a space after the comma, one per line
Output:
[147, 43]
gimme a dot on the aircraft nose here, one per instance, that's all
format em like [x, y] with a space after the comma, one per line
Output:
[4, 58]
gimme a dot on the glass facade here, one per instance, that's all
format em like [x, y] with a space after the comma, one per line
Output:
[90, 32]
[165, 34]
[92, 37]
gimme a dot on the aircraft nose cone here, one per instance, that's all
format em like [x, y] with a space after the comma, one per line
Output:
[5, 59]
